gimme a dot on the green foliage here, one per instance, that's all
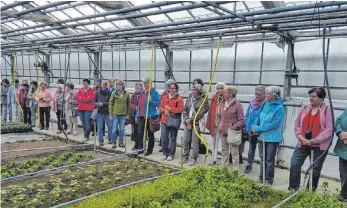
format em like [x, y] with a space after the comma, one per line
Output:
[56, 163]
[14, 127]
[65, 155]
[88, 157]
[205, 187]
[47, 160]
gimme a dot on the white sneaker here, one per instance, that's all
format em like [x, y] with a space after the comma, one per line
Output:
[164, 157]
[169, 158]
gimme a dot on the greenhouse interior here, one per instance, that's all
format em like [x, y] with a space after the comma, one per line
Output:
[174, 104]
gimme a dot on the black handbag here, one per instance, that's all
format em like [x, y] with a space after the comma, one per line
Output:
[154, 124]
[173, 121]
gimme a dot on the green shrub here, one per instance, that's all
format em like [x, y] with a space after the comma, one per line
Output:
[205, 187]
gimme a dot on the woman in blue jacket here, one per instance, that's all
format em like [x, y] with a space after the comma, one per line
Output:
[252, 113]
[269, 125]
[141, 115]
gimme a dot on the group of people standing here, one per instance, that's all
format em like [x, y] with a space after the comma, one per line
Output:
[261, 124]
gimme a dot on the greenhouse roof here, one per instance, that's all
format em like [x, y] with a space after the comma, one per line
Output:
[179, 25]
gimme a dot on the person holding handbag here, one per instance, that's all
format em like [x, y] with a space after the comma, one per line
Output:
[173, 106]
[231, 119]
[269, 125]
[57, 107]
[341, 152]
[163, 96]
[190, 108]
[253, 111]
[152, 116]
[212, 121]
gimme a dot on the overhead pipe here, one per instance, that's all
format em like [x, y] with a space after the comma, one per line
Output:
[14, 4]
[260, 12]
[185, 22]
[265, 17]
[194, 26]
[253, 38]
[123, 17]
[241, 31]
[35, 9]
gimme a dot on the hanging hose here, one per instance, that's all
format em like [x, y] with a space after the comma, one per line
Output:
[148, 97]
[204, 100]
[37, 90]
[326, 81]
[14, 81]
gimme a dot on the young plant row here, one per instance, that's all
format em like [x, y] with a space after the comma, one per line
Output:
[50, 161]
[14, 127]
[70, 184]
[206, 187]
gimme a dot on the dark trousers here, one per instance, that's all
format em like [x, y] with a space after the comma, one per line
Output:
[27, 115]
[61, 120]
[270, 157]
[139, 142]
[170, 141]
[134, 133]
[253, 141]
[44, 114]
[298, 158]
[343, 176]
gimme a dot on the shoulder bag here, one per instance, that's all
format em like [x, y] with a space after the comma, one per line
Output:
[173, 121]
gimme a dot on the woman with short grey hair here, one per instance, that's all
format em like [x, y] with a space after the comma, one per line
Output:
[190, 109]
[253, 111]
[269, 125]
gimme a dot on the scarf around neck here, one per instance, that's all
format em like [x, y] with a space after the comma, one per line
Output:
[257, 103]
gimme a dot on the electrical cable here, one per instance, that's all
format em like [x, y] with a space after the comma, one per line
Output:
[205, 98]
[326, 80]
[14, 81]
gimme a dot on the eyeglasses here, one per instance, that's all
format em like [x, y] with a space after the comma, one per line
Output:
[220, 88]
[172, 88]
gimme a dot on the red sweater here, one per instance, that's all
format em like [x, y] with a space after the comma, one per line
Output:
[85, 100]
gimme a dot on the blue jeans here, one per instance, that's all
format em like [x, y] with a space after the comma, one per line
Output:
[101, 121]
[118, 121]
[4, 111]
[298, 158]
[270, 156]
[85, 116]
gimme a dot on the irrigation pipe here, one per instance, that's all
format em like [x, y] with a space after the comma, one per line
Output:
[326, 81]
[112, 189]
[44, 148]
[58, 168]
[148, 97]
[14, 86]
[205, 98]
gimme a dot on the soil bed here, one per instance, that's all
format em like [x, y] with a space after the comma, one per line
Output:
[69, 184]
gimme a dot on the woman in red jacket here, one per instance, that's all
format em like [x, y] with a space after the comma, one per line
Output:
[85, 100]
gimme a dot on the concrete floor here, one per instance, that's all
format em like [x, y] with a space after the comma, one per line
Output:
[281, 175]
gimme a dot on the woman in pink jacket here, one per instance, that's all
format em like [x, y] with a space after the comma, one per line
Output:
[44, 98]
[230, 116]
[313, 128]
[85, 100]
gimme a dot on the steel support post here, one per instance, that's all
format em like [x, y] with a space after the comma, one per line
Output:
[12, 64]
[47, 75]
[168, 66]
[97, 66]
[289, 70]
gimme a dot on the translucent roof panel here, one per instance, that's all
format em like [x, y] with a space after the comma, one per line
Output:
[158, 18]
[59, 15]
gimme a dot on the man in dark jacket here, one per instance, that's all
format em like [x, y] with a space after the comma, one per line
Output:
[101, 100]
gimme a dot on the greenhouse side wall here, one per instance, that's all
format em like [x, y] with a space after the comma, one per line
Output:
[134, 65]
